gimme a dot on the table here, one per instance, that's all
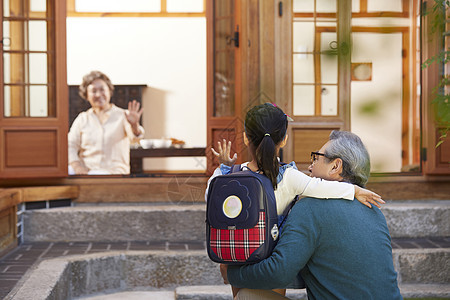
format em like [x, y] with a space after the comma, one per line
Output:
[137, 155]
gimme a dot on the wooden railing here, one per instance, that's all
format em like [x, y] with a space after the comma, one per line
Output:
[10, 198]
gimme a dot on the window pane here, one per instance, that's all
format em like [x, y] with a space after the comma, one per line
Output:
[38, 68]
[6, 36]
[326, 6]
[16, 74]
[14, 101]
[38, 36]
[15, 8]
[118, 6]
[328, 68]
[328, 41]
[224, 64]
[224, 84]
[303, 6]
[384, 5]
[328, 60]
[303, 36]
[185, 5]
[6, 8]
[303, 68]
[223, 96]
[303, 100]
[7, 100]
[376, 103]
[38, 5]
[6, 68]
[16, 42]
[355, 6]
[329, 100]
[38, 101]
[224, 56]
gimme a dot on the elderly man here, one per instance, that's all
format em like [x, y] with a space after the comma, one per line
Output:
[342, 248]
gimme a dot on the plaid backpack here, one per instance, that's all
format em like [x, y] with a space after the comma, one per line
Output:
[241, 217]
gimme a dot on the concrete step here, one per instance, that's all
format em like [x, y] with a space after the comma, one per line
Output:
[187, 222]
[222, 292]
[417, 218]
[116, 223]
[111, 272]
[131, 295]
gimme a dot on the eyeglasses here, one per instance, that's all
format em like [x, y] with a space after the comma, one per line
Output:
[315, 156]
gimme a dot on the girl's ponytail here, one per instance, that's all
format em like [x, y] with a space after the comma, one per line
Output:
[265, 128]
[267, 159]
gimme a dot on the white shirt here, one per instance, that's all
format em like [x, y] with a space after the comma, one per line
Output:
[295, 183]
[102, 147]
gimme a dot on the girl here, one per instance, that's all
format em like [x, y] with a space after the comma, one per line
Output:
[265, 134]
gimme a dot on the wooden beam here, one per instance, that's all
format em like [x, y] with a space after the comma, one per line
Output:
[135, 14]
[8, 230]
[344, 61]
[50, 193]
[9, 198]
[70, 6]
[17, 73]
[163, 6]
[406, 153]
[317, 74]
[363, 6]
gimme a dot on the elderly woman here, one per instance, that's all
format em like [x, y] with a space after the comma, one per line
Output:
[99, 139]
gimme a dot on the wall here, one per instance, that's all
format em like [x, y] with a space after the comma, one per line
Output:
[166, 54]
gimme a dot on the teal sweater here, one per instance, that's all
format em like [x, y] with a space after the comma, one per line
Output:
[342, 247]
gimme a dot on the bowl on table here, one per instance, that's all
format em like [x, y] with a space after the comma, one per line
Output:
[161, 143]
[146, 143]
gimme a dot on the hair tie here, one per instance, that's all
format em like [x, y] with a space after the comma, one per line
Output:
[267, 134]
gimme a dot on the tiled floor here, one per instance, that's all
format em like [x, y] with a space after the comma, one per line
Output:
[14, 265]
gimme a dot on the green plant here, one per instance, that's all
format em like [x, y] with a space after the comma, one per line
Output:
[441, 100]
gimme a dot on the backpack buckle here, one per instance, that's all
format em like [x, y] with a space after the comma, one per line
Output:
[274, 232]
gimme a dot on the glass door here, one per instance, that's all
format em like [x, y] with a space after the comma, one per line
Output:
[28, 59]
[224, 120]
[33, 95]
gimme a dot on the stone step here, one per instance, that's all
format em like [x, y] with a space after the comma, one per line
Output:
[417, 218]
[187, 222]
[116, 223]
[221, 292]
[110, 272]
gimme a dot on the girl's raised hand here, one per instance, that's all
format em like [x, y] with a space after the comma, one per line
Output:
[223, 153]
[366, 197]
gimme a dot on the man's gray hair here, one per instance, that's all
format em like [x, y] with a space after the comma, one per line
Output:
[355, 158]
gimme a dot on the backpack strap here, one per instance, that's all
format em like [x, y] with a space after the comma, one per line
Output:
[288, 211]
[235, 168]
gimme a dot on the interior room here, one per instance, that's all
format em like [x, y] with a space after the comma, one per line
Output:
[377, 68]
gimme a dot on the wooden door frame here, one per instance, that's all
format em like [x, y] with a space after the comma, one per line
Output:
[431, 45]
[57, 123]
[229, 125]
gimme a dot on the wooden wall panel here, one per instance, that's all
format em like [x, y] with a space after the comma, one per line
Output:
[435, 162]
[228, 134]
[30, 148]
[307, 140]
[443, 153]
[8, 229]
